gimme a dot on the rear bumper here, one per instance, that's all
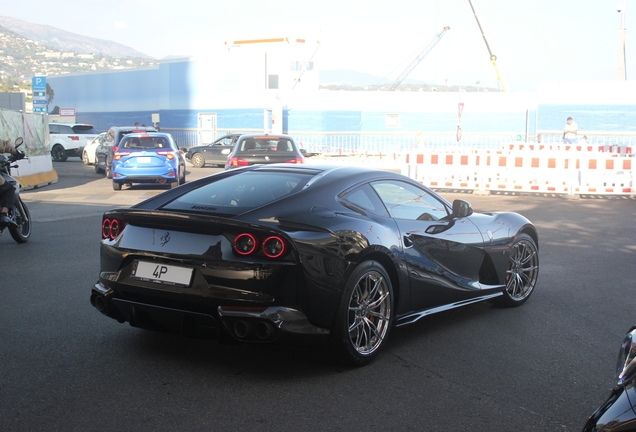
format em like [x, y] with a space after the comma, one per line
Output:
[144, 176]
[74, 152]
[273, 324]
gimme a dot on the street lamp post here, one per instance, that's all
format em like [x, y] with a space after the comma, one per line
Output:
[621, 72]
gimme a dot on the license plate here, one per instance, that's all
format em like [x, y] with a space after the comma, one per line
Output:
[143, 159]
[163, 273]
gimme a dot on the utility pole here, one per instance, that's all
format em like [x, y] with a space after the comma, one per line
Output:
[621, 72]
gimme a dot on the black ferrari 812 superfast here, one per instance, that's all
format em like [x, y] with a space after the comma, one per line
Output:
[307, 253]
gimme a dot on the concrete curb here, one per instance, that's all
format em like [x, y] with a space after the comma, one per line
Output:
[33, 181]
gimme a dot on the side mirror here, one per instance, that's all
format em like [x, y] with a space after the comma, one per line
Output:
[461, 209]
[18, 142]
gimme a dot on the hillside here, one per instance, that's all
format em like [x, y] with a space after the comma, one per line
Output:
[21, 58]
[66, 41]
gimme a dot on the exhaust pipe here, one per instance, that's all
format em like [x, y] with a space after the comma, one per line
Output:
[242, 329]
[264, 330]
[99, 302]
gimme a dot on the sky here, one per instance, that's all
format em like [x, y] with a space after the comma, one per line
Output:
[535, 41]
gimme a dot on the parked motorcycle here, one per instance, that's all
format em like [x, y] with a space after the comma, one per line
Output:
[21, 231]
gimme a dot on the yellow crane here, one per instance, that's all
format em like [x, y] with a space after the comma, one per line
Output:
[493, 58]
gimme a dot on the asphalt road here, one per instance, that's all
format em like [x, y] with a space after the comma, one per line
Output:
[542, 367]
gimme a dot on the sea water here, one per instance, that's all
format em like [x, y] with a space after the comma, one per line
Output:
[589, 118]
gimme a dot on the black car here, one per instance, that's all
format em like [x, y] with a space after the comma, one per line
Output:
[264, 149]
[213, 154]
[307, 253]
[105, 151]
[618, 413]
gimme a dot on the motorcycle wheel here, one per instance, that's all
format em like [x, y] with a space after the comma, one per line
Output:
[22, 217]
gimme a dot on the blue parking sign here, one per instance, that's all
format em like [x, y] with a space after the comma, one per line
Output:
[38, 83]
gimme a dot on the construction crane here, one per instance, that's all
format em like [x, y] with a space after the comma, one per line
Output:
[418, 59]
[493, 58]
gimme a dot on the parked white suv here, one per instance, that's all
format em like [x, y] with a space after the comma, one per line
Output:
[69, 139]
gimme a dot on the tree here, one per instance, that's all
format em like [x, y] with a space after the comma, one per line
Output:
[50, 93]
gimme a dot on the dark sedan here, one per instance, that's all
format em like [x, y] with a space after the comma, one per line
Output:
[264, 149]
[212, 154]
[618, 413]
[307, 253]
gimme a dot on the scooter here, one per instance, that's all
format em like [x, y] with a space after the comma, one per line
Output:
[20, 229]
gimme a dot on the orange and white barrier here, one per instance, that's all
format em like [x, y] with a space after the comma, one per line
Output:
[551, 171]
[614, 149]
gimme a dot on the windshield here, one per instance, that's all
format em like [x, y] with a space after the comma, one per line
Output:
[240, 193]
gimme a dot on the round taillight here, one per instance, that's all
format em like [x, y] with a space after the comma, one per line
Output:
[106, 228]
[273, 247]
[114, 229]
[245, 244]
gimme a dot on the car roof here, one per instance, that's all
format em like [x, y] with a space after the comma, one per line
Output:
[70, 124]
[148, 134]
[147, 128]
[264, 135]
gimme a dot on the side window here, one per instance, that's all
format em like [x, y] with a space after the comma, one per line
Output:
[66, 130]
[54, 129]
[406, 201]
[110, 136]
[225, 142]
[365, 198]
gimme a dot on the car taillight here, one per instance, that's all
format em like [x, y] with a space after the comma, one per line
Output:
[112, 227]
[115, 149]
[119, 155]
[272, 247]
[168, 155]
[245, 244]
[74, 138]
[237, 162]
[296, 161]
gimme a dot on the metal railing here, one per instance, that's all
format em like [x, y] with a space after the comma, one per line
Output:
[401, 142]
[591, 138]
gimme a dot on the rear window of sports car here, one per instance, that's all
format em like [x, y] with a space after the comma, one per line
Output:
[239, 193]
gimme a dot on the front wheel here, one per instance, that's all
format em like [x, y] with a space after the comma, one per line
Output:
[58, 153]
[197, 160]
[85, 160]
[365, 314]
[22, 217]
[522, 272]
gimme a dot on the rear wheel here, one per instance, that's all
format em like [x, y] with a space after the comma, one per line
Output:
[98, 169]
[109, 171]
[22, 217]
[365, 314]
[197, 160]
[522, 272]
[116, 186]
[58, 153]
